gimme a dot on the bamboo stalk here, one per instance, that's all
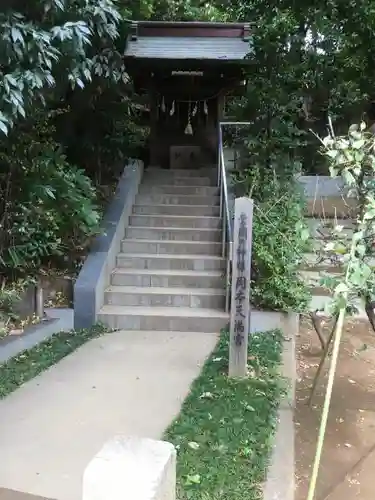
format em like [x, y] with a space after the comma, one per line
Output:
[327, 402]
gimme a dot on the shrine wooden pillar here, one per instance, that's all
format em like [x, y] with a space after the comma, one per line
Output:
[220, 106]
[153, 127]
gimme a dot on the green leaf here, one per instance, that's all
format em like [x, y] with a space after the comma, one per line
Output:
[332, 153]
[349, 178]
[341, 288]
[333, 170]
[193, 445]
[3, 128]
[192, 479]
[305, 234]
[358, 144]
[17, 35]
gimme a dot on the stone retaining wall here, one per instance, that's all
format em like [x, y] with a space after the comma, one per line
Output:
[95, 274]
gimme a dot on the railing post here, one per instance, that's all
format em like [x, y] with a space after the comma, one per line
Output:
[224, 237]
[219, 171]
[228, 276]
[222, 213]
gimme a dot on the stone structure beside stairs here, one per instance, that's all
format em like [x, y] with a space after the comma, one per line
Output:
[94, 278]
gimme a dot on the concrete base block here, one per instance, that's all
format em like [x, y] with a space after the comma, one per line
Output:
[280, 482]
[264, 321]
[131, 468]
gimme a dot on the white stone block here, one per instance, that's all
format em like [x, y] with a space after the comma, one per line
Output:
[131, 468]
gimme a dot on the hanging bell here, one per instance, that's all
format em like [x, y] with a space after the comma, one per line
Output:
[189, 129]
[205, 108]
[172, 111]
[163, 105]
[195, 109]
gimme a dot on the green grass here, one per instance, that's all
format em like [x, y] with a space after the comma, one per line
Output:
[225, 428]
[28, 364]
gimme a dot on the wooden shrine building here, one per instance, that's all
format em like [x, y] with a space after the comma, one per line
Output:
[187, 68]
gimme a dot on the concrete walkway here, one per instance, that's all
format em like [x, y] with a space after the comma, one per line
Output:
[124, 383]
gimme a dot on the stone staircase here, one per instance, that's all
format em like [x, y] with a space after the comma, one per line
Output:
[170, 273]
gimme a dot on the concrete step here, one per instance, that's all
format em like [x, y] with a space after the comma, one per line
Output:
[167, 278]
[182, 172]
[178, 190]
[173, 199]
[320, 244]
[152, 179]
[321, 222]
[173, 233]
[178, 319]
[327, 264]
[206, 298]
[179, 221]
[193, 210]
[333, 206]
[312, 280]
[322, 228]
[160, 261]
[316, 262]
[171, 247]
[319, 302]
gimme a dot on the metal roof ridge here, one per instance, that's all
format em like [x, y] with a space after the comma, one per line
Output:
[220, 29]
[200, 24]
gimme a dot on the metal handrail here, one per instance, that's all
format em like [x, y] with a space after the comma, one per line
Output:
[227, 231]
[224, 202]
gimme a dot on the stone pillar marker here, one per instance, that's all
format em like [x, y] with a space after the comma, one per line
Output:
[240, 293]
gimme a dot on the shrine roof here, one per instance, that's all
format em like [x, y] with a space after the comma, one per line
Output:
[192, 41]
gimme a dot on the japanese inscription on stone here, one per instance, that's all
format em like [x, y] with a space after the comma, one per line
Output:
[241, 282]
[240, 296]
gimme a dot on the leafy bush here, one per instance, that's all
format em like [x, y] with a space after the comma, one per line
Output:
[99, 131]
[48, 206]
[279, 238]
[54, 44]
[352, 159]
[55, 52]
[9, 297]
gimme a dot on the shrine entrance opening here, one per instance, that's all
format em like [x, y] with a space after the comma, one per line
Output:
[187, 69]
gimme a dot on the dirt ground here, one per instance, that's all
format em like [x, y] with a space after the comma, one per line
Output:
[348, 465]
